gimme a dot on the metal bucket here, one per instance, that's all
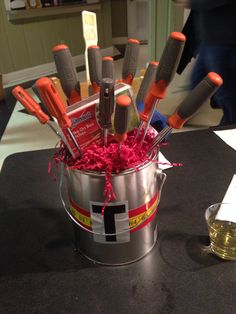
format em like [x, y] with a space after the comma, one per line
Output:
[128, 229]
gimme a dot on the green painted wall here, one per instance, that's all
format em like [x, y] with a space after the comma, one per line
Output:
[165, 17]
[28, 43]
[119, 18]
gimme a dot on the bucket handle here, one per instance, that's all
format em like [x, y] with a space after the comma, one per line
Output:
[158, 172]
[163, 177]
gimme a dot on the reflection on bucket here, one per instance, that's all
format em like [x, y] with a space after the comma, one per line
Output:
[127, 230]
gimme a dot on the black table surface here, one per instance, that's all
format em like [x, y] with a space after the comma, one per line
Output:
[41, 273]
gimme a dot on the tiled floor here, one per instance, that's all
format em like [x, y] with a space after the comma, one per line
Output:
[24, 133]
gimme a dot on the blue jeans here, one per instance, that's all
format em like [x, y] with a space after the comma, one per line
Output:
[222, 60]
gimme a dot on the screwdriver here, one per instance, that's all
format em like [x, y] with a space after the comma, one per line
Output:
[67, 72]
[32, 107]
[130, 61]
[158, 120]
[108, 68]
[121, 119]
[165, 72]
[147, 81]
[95, 67]
[188, 107]
[55, 106]
[106, 105]
[42, 105]
[57, 84]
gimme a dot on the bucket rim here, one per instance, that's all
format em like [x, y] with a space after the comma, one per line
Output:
[143, 165]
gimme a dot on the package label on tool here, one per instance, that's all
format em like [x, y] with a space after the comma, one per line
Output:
[85, 127]
[85, 124]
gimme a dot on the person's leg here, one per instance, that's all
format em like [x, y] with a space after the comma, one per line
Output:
[199, 69]
[220, 59]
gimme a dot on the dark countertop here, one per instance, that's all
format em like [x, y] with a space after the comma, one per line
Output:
[41, 273]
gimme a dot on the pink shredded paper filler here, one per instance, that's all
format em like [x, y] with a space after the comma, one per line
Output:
[108, 159]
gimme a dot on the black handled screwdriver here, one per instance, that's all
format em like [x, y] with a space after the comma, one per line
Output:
[108, 67]
[106, 105]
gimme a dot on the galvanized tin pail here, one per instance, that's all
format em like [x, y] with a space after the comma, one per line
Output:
[127, 230]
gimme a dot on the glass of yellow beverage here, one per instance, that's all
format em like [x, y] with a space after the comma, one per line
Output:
[221, 221]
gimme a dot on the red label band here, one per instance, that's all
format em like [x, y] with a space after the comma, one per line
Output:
[138, 217]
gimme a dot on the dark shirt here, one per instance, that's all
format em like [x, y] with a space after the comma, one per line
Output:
[215, 21]
[191, 45]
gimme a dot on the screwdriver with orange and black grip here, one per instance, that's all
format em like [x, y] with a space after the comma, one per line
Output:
[148, 79]
[165, 72]
[130, 61]
[158, 120]
[95, 67]
[56, 107]
[121, 120]
[108, 68]
[32, 107]
[67, 72]
[106, 105]
[188, 107]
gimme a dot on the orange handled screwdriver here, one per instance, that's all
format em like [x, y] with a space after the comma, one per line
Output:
[57, 83]
[130, 61]
[108, 68]
[30, 104]
[67, 72]
[55, 106]
[32, 107]
[95, 67]
[165, 72]
[121, 120]
[42, 105]
[106, 105]
[188, 107]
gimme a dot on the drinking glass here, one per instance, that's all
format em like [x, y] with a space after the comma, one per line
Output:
[221, 221]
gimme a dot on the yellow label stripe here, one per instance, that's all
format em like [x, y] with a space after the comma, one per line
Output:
[85, 220]
[133, 221]
[136, 220]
